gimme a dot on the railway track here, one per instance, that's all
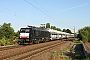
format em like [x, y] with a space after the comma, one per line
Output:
[10, 47]
[28, 52]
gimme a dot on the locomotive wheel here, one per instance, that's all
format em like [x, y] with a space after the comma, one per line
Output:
[45, 40]
[31, 42]
[37, 41]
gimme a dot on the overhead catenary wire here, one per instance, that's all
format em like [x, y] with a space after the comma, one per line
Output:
[14, 13]
[7, 10]
[8, 13]
[41, 10]
[40, 6]
[74, 7]
[35, 7]
[44, 9]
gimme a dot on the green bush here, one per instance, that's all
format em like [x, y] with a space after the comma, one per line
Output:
[8, 42]
[3, 42]
[84, 34]
[14, 41]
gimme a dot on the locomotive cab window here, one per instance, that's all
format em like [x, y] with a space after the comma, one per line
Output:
[24, 30]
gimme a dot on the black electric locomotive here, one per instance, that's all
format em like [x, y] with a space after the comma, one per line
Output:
[33, 35]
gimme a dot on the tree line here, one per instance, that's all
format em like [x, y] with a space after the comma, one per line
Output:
[84, 34]
[7, 32]
[47, 25]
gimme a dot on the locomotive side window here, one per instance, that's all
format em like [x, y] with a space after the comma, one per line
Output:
[27, 30]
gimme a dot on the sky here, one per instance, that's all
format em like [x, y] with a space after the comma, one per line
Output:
[64, 14]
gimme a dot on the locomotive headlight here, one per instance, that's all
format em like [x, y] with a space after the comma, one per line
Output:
[27, 36]
[20, 36]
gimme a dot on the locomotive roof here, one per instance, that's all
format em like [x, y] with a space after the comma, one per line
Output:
[39, 29]
[35, 29]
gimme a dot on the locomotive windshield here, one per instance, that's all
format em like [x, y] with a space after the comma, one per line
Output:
[24, 30]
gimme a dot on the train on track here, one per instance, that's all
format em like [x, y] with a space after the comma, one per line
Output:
[32, 34]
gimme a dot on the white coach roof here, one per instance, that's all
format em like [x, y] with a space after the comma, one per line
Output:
[57, 32]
